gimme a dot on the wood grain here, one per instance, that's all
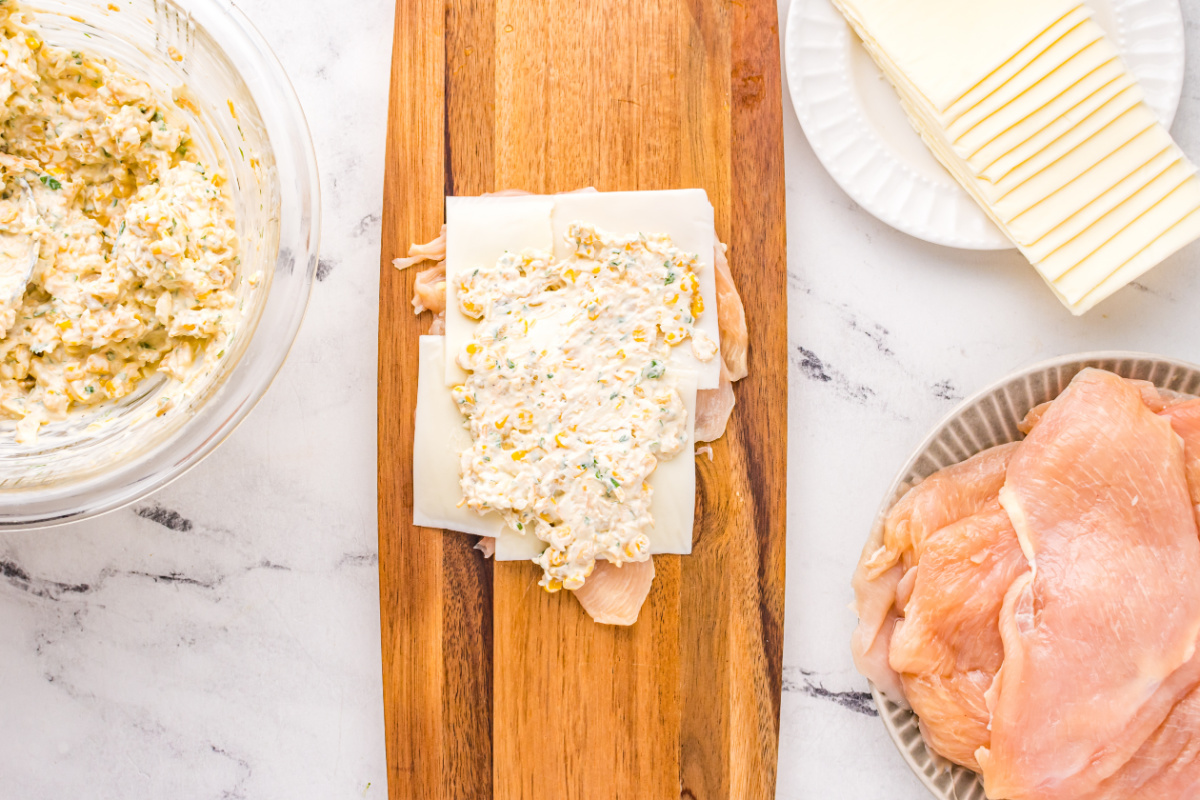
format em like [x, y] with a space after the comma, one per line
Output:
[494, 688]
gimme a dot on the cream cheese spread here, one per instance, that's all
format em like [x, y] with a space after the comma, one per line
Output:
[570, 400]
[137, 249]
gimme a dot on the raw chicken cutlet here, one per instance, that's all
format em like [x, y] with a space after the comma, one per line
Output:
[1006, 600]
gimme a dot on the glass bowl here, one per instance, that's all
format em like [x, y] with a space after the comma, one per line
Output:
[243, 113]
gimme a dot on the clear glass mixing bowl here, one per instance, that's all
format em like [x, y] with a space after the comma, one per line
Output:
[243, 112]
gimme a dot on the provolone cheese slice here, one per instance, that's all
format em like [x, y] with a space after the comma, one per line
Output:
[1112, 140]
[1064, 134]
[1074, 52]
[438, 440]
[1182, 234]
[1085, 244]
[946, 47]
[479, 230]
[981, 153]
[685, 215]
[1052, 210]
[1039, 237]
[989, 85]
[1055, 141]
[1126, 244]
[673, 505]
[974, 130]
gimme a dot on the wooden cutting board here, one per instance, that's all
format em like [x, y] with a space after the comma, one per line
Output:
[493, 688]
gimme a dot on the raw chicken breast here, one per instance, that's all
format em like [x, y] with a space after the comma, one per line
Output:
[1094, 634]
[434, 250]
[942, 499]
[1156, 399]
[731, 319]
[713, 407]
[1185, 421]
[429, 290]
[947, 645]
[1167, 767]
[614, 594]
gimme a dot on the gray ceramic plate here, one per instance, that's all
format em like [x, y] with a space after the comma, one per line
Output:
[988, 419]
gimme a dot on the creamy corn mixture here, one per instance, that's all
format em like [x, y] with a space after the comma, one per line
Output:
[136, 249]
[570, 401]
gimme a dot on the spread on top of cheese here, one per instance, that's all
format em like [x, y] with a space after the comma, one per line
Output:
[570, 401]
[137, 250]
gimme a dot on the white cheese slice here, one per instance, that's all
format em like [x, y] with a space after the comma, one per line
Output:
[1127, 243]
[1011, 200]
[479, 230]
[1051, 209]
[438, 440]
[946, 47]
[981, 154]
[684, 214]
[976, 128]
[1071, 53]
[1007, 71]
[1182, 234]
[1067, 132]
[673, 505]
[1039, 237]
[1075, 251]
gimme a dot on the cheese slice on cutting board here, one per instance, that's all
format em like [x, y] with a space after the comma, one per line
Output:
[1030, 107]
[479, 230]
[439, 438]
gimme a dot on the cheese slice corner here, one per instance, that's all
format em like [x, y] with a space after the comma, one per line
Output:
[479, 230]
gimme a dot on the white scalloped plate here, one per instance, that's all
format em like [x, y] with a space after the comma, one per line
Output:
[854, 122]
[988, 419]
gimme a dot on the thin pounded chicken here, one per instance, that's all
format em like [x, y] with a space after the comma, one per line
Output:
[713, 407]
[434, 250]
[429, 290]
[731, 319]
[947, 645]
[1185, 421]
[944, 498]
[1168, 763]
[1095, 635]
[614, 593]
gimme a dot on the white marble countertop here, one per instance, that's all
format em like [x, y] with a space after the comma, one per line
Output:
[221, 639]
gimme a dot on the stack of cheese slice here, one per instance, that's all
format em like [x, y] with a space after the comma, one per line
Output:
[479, 230]
[1030, 107]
